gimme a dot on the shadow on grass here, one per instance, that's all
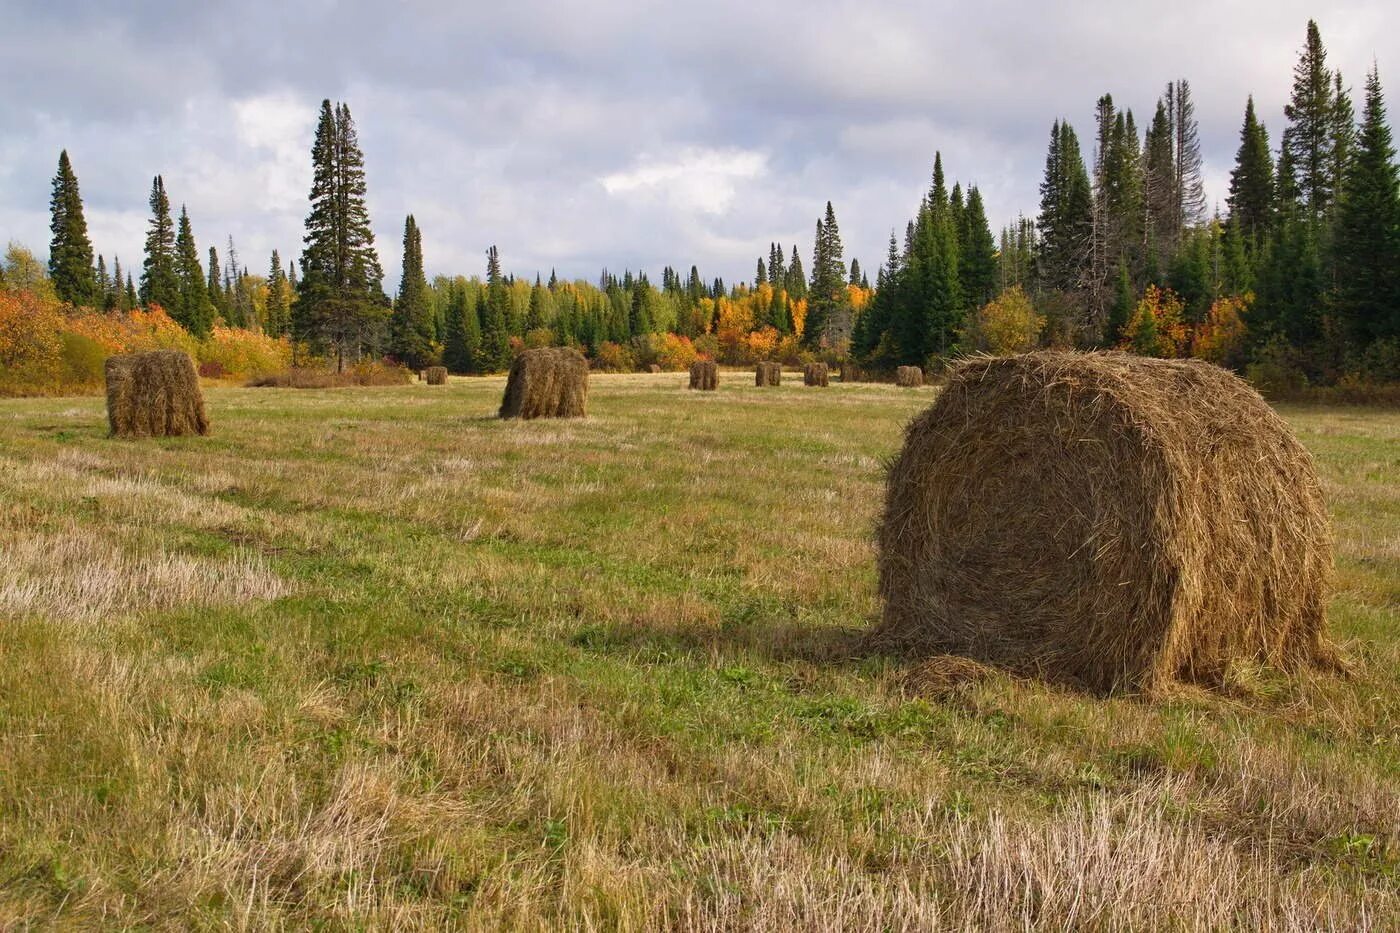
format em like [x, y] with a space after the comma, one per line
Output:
[778, 641]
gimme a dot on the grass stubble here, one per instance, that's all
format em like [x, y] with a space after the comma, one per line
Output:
[374, 658]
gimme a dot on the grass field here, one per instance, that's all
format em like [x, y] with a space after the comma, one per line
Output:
[370, 658]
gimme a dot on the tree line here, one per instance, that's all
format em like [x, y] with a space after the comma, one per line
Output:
[1304, 265]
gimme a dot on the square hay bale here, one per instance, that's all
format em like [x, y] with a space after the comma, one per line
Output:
[704, 375]
[909, 377]
[154, 394]
[1105, 520]
[547, 382]
[435, 375]
[768, 374]
[816, 374]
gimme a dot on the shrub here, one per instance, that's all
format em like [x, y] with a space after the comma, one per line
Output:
[1007, 324]
[230, 351]
[613, 358]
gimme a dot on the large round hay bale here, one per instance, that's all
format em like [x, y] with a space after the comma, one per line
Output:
[435, 375]
[768, 374]
[1107, 520]
[704, 375]
[909, 377]
[548, 382]
[154, 394]
[816, 374]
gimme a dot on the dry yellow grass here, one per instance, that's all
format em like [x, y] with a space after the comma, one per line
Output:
[467, 673]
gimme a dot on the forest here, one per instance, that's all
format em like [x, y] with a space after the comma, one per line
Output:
[1295, 284]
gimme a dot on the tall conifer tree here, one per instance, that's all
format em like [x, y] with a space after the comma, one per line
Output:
[70, 250]
[160, 283]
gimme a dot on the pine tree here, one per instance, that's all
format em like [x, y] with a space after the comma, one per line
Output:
[1367, 238]
[1189, 194]
[160, 284]
[1066, 212]
[278, 304]
[977, 260]
[495, 337]
[70, 250]
[411, 324]
[463, 340]
[103, 282]
[1159, 188]
[340, 299]
[825, 323]
[214, 286]
[855, 272]
[191, 310]
[116, 298]
[1309, 137]
[777, 271]
[796, 283]
[760, 276]
[1251, 197]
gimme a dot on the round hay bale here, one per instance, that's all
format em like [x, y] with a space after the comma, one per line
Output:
[547, 382]
[654, 368]
[909, 377]
[154, 394]
[768, 374]
[1106, 520]
[704, 375]
[435, 375]
[816, 374]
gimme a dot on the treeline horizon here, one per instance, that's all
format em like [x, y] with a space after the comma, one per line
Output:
[1302, 273]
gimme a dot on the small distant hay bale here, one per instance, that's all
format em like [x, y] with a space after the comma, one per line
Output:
[909, 377]
[435, 375]
[547, 382]
[154, 394]
[1105, 520]
[768, 374]
[704, 375]
[654, 368]
[816, 374]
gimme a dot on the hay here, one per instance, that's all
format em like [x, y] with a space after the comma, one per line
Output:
[154, 394]
[942, 675]
[435, 375]
[909, 377]
[816, 374]
[654, 368]
[704, 375]
[548, 382]
[768, 374]
[1106, 520]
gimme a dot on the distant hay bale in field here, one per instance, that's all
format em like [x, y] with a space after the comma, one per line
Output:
[548, 382]
[909, 377]
[768, 374]
[816, 374]
[654, 368]
[1107, 520]
[704, 375]
[154, 394]
[435, 375]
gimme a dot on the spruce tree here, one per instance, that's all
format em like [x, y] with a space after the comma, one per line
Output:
[463, 333]
[340, 301]
[1066, 212]
[214, 285]
[1367, 237]
[160, 283]
[1159, 188]
[495, 338]
[824, 322]
[410, 324]
[1309, 138]
[116, 298]
[278, 305]
[977, 260]
[192, 310]
[796, 283]
[70, 250]
[1251, 197]
[1189, 196]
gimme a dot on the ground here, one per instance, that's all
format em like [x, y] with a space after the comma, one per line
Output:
[371, 658]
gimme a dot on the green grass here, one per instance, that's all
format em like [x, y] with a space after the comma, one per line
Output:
[371, 658]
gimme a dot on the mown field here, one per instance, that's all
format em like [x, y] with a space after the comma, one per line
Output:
[370, 658]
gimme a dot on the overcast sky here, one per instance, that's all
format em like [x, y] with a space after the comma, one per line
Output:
[611, 133]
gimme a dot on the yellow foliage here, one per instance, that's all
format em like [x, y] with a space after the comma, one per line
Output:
[232, 351]
[1007, 324]
[1220, 337]
[1156, 328]
[798, 310]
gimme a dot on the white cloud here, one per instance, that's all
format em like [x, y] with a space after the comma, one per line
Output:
[694, 179]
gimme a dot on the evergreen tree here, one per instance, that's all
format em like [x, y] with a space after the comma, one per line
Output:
[1343, 133]
[824, 323]
[1066, 212]
[160, 283]
[777, 273]
[340, 299]
[130, 299]
[495, 338]
[1189, 196]
[214, 286]
[1159, 188]
[70, 250]
[463, 344]
[1309, 138]
[977, 259]
[116, 298]
[796, 277]
[1367, 239]
[411, 323]
[278, 303]
[760, 276]
[103, 282]
[1251, 197]
[191, 310]
[855, 272]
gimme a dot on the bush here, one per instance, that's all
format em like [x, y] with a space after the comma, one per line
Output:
[230, 351]
[1005, 325]
[613, 358]
[83, 361]
[364, 373]
[671, 352]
